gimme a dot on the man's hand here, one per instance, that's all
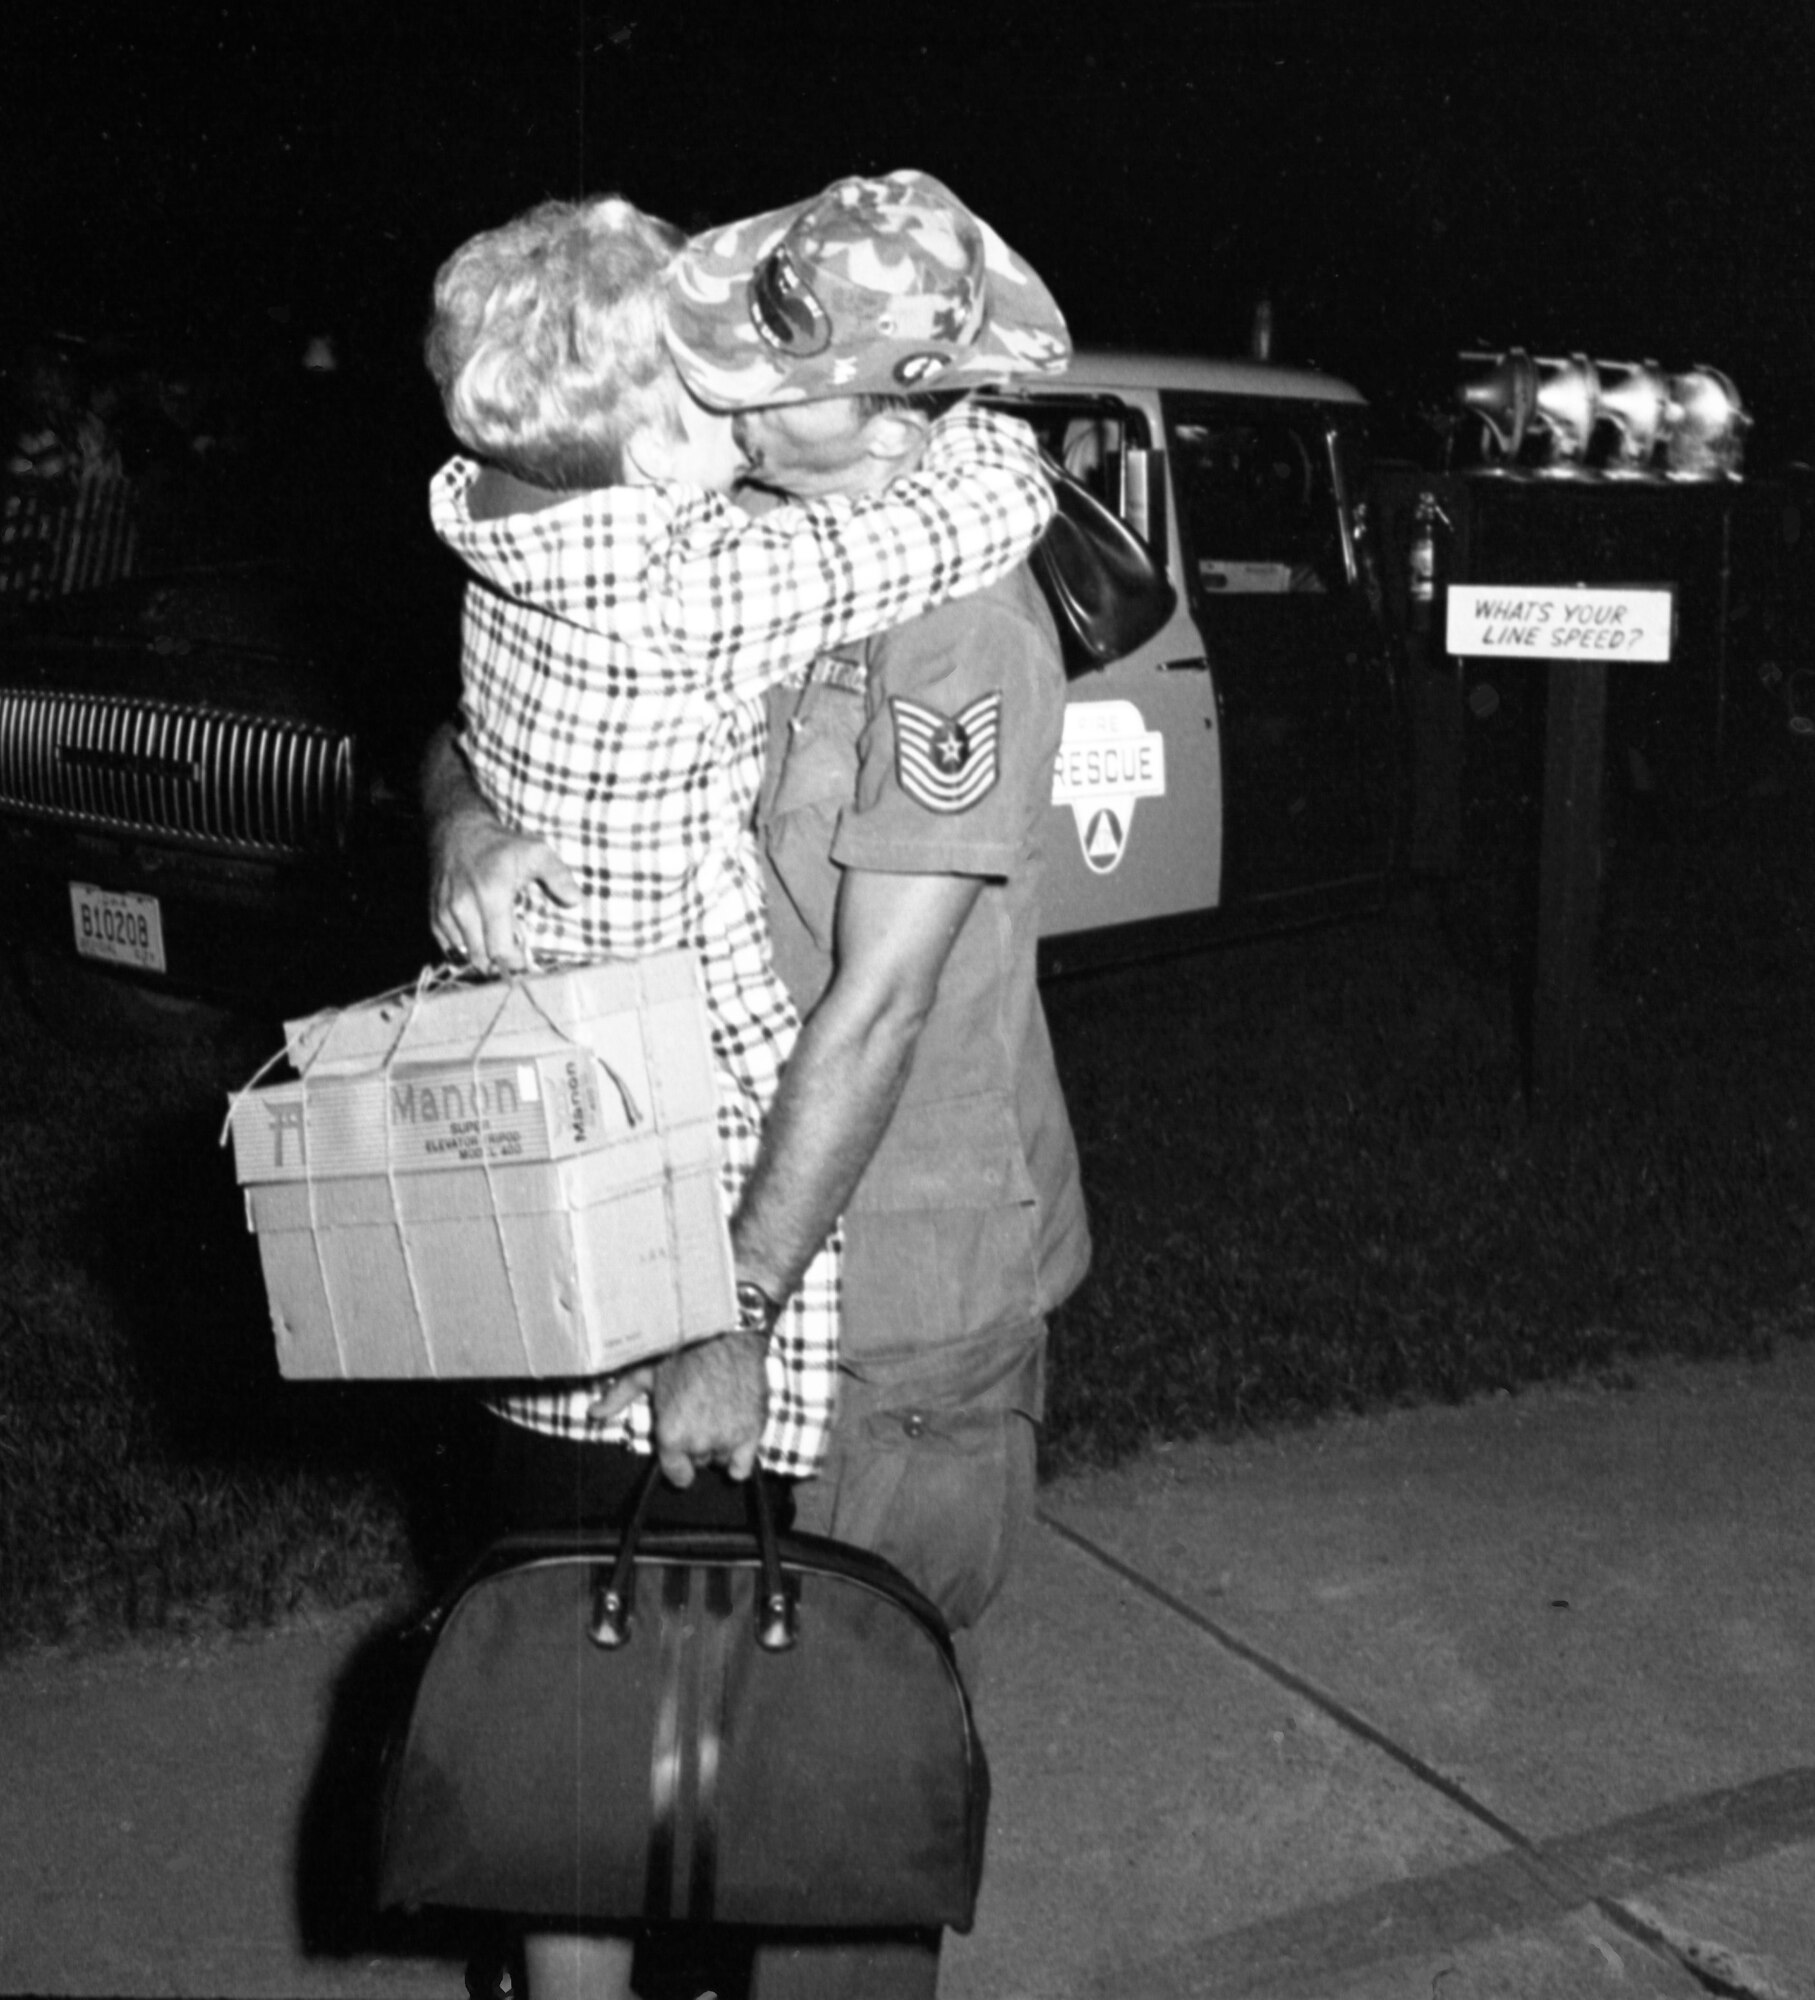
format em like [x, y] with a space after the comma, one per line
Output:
[477, 866]
[710, 1402]
[612, 1395]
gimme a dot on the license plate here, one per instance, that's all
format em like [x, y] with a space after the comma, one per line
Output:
[121, 928]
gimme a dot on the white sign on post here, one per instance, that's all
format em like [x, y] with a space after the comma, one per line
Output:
[1547, 622]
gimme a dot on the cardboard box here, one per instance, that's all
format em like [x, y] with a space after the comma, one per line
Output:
[516, 1179]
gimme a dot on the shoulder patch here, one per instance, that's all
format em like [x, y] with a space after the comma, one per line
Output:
[947, 762]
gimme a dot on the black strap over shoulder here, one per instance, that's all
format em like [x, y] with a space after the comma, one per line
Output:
[1108, 593]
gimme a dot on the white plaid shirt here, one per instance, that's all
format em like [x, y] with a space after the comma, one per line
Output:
[616, 649]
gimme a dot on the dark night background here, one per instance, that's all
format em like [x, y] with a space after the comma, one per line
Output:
[1629, 183]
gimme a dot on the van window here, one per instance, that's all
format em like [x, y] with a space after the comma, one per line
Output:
[1258, 501]
[1090, 439]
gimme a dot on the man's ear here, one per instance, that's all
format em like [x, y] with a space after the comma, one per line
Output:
[895, 434]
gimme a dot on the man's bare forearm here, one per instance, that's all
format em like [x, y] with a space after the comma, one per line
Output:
[836, 1099]
[848, 1069]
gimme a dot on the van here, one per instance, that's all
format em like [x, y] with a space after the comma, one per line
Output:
[1243, 770]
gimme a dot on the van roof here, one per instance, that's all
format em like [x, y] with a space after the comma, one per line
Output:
[1107, 368]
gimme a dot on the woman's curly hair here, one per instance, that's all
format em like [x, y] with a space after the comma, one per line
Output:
[546, 340]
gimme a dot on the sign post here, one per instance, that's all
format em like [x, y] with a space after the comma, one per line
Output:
[1575, 633]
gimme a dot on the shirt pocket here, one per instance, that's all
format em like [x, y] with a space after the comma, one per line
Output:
[817, 781]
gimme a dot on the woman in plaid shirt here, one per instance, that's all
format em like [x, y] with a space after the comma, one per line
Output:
[623, 625]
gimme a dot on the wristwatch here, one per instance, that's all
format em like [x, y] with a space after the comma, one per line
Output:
[756, 1311]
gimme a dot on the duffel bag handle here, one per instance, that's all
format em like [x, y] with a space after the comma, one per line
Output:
[614, 1600]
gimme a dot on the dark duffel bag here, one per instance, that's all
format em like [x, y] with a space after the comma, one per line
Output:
[688, 1725]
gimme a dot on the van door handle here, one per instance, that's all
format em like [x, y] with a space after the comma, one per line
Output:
[1200, 665]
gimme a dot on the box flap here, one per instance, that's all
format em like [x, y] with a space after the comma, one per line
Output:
[432, 1020]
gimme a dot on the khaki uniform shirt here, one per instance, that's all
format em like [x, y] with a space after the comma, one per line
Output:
[930, 750]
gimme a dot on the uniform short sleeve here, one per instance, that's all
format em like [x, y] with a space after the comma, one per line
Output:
[964, 710]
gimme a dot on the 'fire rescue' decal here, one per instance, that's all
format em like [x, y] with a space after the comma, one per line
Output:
[947, 762]
[1108, 759]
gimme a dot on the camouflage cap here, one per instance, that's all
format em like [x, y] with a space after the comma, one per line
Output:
[888, 286]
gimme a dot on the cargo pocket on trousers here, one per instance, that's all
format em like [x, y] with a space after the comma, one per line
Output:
[944, 1496]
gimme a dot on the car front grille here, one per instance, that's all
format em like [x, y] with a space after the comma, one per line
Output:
[240, 784]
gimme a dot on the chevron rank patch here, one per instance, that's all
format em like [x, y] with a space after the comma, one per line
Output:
[947, 762]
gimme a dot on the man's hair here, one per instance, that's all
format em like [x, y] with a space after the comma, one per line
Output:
[546, 341]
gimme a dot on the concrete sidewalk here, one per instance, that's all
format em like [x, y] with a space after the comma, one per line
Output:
[1513, 1700]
